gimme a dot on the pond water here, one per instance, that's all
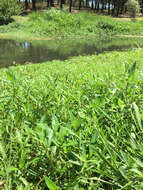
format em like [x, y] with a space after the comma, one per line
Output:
[22, 52]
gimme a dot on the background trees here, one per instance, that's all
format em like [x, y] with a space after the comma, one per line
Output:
[110, 7]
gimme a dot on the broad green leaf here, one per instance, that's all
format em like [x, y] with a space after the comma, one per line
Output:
[137, 115]
[131, 71]
[120, 103]
[2, 173]
[10, 75]
[11, 169]
[50, 184]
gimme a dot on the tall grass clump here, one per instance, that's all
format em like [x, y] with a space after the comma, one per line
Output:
[55, 22]
[8, 8]
[76, 124]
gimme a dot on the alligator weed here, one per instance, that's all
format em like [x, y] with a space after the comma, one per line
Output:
[75, 124]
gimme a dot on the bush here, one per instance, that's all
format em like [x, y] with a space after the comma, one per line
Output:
[112, 26]
[133, 7]
[54, 22]
[9, 8]
[60, 18]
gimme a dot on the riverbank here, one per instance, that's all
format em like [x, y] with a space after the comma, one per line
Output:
[73, 124]
[54, 24]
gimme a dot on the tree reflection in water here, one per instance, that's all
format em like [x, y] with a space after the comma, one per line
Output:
[38, 51]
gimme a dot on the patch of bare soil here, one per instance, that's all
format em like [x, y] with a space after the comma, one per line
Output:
[1, 185]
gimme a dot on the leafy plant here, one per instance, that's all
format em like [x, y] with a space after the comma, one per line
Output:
[133, 7]
[73, 124]
[110, 26]
[54, 23]
[9, 8]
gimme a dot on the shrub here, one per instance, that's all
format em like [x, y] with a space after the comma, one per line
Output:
[133, 7]
[112, 26]
[61, 18]
[54, 22]
[8, 8]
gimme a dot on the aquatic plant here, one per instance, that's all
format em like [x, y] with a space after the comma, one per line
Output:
[73, 125]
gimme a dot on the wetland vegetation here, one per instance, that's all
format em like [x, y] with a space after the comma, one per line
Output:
[77, 123]
[55, 24]
[73, 123]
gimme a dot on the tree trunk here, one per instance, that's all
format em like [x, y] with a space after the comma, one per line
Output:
[118, 8]
[86, 3]
[79, 7]
[113, 10]
[61, 4]
[34, 5]
[141, 5]
[105, 5]
[98, 6]
[51, 3]
[102, 9]
[92, 5]
[95, 5]
[109, 3]
[122, 7]
[70, 6]
[26, 4]
[48, 3]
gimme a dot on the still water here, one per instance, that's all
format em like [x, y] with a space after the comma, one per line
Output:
[23, 52]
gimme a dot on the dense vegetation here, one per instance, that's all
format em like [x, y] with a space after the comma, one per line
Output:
[74, 124]
[56, 23]
[8, 8]
[77, 123]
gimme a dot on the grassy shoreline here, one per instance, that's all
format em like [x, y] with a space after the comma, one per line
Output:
[27, 37]
[56, 24]
[73, 124]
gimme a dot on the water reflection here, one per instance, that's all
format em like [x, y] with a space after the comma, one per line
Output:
[38, 51]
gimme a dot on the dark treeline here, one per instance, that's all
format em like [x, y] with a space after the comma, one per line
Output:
[111, 7]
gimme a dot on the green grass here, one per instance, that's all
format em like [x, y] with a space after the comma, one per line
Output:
[76, 124]
[54, 23]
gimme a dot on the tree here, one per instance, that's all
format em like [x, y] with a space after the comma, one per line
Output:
[109, 6]
[133, 7]
[61, 4]
[26, 4]
[34, 4]
[79, 7]
[141, 5]
[70, 6]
